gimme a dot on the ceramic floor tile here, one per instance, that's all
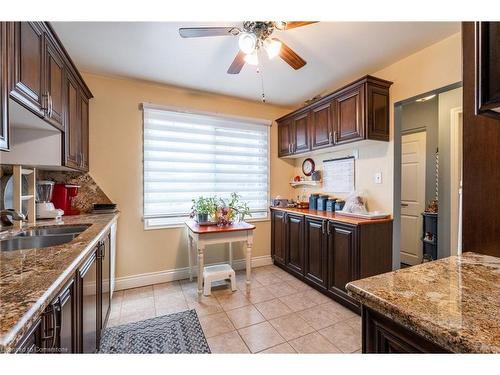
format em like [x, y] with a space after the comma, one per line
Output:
[137, 304]
[284, 348]
[355, 323]
[205, 305]
[233, 301]
[170, 306]
[317, 297]
[245, 316]
[273, 309]
[291, 326]
[313, 343]
[241, 285]
[299, 285]
[137, 315]
[112, 322]
[167, 288]
[320, 317]
[260, 336]
[336, 309]
[298, 301]
[259, 295]
[282, 289]
[138, 293]
[343, 336]
[268, 278]
[216, 324]
[230, 342]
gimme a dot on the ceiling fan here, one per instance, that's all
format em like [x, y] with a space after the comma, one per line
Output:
[254, 36]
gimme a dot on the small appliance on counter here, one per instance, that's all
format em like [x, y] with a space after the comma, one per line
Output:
[104, 208]
[45, 208]
[63, 198]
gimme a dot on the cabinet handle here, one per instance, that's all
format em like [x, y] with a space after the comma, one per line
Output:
[323, 227]
[328, 227]
[50, 105]
[45, 103]
[330, 136]
[335, 137]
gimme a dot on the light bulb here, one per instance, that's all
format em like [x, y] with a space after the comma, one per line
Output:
[280, 25]
[252, 58]
[247, 43]
[272, 47]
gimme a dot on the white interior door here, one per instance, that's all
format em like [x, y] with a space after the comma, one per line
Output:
[412, 196]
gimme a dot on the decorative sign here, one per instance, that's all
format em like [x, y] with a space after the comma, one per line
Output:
[338, 175]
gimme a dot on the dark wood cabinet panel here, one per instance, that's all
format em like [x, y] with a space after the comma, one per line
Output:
[105, 269]
[65, 319]
[4, 87]
[88, 302]
[284, 138]
[278, 236]
[54, 84]
[315, 251]
[377, 113]
[84, 133]
[341, 256]
[348, 116]
[27, 72]
[295, 243]
[321, 126]
[382, 335]
[73, 129]
[300, 133]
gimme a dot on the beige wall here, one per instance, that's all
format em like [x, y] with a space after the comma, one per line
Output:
[116, 165]
[433, 67]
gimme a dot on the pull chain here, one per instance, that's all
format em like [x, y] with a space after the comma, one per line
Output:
[261, 72]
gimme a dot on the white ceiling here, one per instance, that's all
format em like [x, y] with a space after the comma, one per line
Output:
[334, 51]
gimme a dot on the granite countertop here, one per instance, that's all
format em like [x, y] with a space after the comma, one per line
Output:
[454, 302]
[31, 278]
[332, 216]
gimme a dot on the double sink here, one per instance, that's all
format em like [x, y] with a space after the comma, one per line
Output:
[42, 237]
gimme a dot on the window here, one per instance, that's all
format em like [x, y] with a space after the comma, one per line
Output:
[187, 155]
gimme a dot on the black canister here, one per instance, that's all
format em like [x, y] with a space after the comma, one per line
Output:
[321, 205]
[313, 201]
[330, 204]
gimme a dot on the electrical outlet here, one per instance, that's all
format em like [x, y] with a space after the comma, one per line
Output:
[377, 178]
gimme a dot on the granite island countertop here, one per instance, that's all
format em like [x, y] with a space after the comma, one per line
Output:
[31, 278]
[453, 302]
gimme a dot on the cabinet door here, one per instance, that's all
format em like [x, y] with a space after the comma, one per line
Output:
[4, 88]
[315, 251]
[88, 318]
[73, 129]
[284, 138]
[278, 236]
[321, 126]
[27, 76]
[377, 113]
[84, 132]
[341, 256]
[295, 243]
[105, 269]
[54, 84]
[31, 343]
[64, 306]
[300, 133]
[348, 116]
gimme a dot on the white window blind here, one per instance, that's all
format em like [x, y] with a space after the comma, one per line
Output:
[187, 155]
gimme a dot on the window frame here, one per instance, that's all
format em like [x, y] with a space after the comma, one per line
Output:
[256, 121]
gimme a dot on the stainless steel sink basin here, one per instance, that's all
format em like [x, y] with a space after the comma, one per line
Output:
[42, 237]
[48, 231]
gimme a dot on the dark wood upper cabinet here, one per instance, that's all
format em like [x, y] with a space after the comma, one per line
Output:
[54, 84]
[4, 87]
[295, 243]
[284, 138]
[27, 72]
[353, 113]
[84, 132]
[315, 250]
[322, 130]
[278, 236]
[300, 133]
[73, 129]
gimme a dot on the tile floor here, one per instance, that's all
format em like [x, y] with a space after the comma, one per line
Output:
[280, 314]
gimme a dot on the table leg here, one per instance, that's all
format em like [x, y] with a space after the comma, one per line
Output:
[201, 251]
[190, 255]
[231, 254]
[249, 260]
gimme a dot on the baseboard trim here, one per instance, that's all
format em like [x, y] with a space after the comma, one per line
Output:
[150, 278]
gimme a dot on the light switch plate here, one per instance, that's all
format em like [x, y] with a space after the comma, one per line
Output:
[377, 178]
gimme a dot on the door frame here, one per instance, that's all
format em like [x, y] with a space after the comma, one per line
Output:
[456, 133]
[396, 197]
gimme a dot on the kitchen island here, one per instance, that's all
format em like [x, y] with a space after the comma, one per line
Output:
[448, 305]
[36, 283]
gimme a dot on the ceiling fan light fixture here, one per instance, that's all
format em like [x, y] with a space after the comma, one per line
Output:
[252, 58]
[272, 47]
[247, 43]
[280, 25]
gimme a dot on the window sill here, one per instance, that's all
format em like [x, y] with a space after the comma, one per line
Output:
[182, 225]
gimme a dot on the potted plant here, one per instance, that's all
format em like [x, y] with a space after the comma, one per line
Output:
[203, 209]
[232, 209]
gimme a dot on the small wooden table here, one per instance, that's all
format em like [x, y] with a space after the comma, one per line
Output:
[200, 235]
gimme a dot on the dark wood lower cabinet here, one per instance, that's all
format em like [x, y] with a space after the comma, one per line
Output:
[327, 254]
[73, 321]
[383, 335]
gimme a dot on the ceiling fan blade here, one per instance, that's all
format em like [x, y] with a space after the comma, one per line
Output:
[196, 32]
[294, 24]
[289, 56]
[237, 63]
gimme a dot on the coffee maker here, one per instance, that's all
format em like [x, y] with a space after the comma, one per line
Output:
[63, 198]
[44, 206]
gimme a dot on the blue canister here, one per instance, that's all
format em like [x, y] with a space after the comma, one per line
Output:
[339, 205]
[321, 204]
[313, 201]
[330, 204]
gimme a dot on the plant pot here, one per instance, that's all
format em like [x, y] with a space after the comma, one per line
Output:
[202, 218]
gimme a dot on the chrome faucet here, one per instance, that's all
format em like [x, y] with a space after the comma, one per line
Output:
[14, 216]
